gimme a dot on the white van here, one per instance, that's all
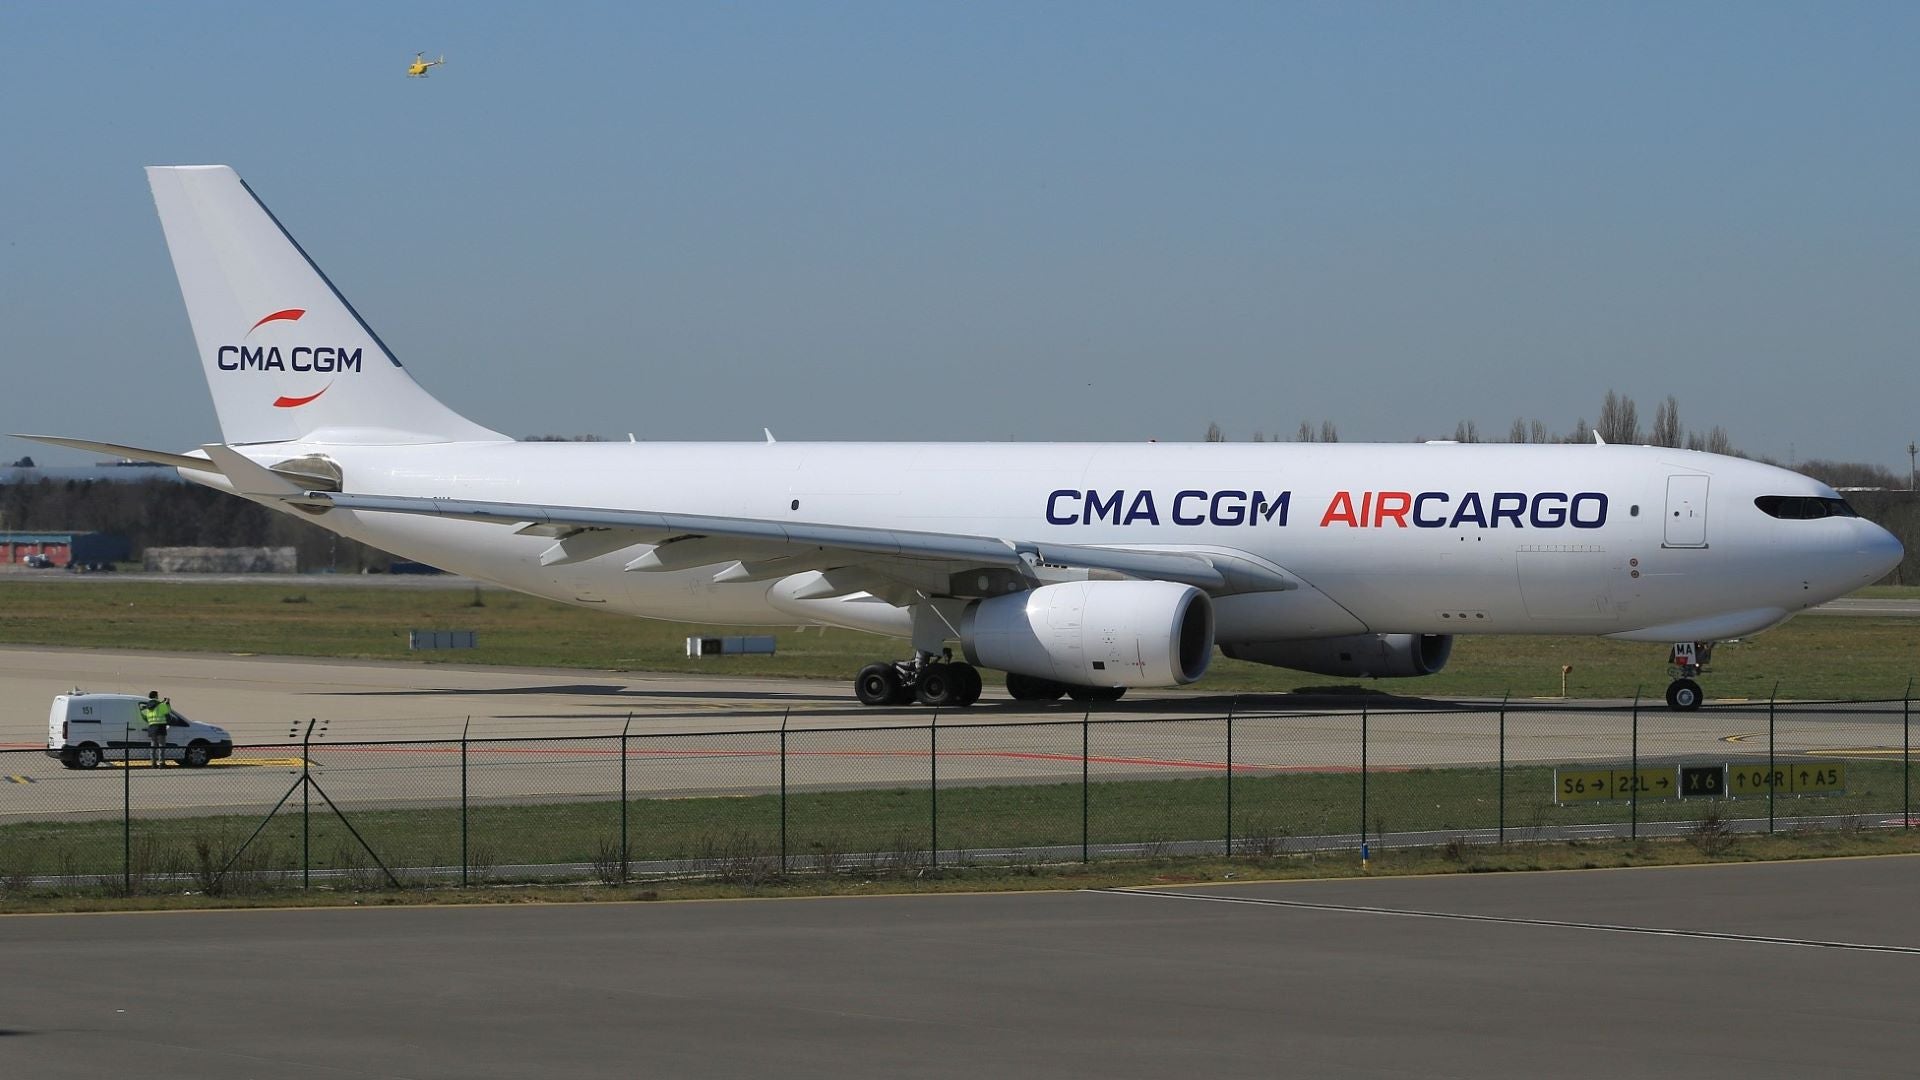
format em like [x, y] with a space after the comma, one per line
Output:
[85, 729]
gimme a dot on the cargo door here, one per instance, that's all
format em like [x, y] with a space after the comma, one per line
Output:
[1687, 511]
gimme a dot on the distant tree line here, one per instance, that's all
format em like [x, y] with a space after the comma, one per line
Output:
[1619, 423]
[1326, 432]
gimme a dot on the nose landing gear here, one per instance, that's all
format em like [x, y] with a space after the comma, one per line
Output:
[1687, 660]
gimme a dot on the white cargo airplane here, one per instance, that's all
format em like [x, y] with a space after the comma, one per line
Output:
[1081, 569]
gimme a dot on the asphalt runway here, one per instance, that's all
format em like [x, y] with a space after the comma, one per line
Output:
[718, 735]
[1765, 970]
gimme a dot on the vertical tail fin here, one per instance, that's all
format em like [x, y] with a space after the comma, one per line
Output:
[285, 355]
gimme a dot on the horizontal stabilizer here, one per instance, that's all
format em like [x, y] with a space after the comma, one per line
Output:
[130, 453]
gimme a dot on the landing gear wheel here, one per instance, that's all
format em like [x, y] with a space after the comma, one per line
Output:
[1683, 695]
[1032, 688]
[878, 684]
[939, 685]
[902, 689]
[1096, 693]
[970, 684]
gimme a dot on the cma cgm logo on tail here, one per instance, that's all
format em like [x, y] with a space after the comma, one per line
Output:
[248, 356]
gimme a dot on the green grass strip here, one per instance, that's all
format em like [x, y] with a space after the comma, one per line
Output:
[824, 826]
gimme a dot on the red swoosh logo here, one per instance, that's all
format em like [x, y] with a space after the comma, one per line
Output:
[291, 314]
[296, 402]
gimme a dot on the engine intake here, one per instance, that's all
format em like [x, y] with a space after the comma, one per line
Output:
[1379, 656]
[1095, 633]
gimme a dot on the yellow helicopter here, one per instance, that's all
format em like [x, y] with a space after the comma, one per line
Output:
[418, 69]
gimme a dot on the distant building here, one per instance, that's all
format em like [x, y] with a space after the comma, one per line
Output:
[222, 560]
[62, 548]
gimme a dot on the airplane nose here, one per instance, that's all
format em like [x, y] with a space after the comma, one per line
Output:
[1879, 550]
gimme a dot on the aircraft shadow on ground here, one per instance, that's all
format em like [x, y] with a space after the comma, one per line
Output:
[608, 690]
[832, 698]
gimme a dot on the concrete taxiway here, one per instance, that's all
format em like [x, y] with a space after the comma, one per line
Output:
[1767, 970]
[717, 735]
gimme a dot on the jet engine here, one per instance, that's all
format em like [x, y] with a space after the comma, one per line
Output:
[1379, 656]
[1094, 633]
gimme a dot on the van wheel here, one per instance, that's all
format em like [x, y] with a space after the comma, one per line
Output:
[88, 756]
[198, 754]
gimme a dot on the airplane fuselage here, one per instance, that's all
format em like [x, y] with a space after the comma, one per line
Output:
[1642, 542]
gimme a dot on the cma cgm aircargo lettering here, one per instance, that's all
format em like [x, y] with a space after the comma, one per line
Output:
[1230, 508]
[1122, 565]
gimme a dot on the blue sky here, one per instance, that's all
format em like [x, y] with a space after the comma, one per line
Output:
[1000, 221]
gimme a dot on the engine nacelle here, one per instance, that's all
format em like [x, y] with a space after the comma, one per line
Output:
[1095, 633]
[1379, 656]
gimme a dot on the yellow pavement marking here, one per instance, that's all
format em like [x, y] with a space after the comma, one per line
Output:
[1839, 751]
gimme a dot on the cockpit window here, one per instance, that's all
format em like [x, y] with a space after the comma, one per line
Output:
[1803, 507]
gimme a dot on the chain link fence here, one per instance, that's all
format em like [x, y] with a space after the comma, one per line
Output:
[760, 804]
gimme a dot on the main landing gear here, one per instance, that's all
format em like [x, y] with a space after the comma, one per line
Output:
[1033, 688]
[943, 683]
[1687, 660]
[925, 679]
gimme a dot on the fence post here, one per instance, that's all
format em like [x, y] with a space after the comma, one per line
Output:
[1086, 727]
[1906, 756]
[1502, 830]
[1363, 784]
[306, 806]
[933, 788]
[1230, 711]
[1772, 700]
[788, 715]
[1633, 784]
[126, 815]
[463, 799]
[626, 852]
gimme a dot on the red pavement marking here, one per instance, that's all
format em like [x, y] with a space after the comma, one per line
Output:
[1016, 755]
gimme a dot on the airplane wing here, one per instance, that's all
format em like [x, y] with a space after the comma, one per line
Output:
[856, 558]
[758, 549]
